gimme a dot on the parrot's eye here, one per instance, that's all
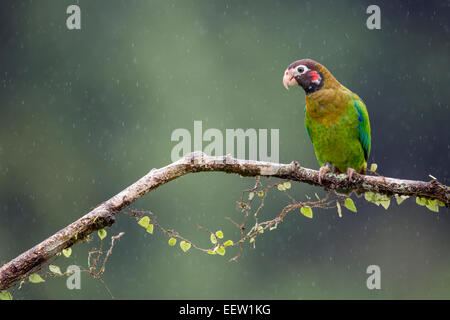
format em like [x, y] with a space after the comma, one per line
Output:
[302, 69]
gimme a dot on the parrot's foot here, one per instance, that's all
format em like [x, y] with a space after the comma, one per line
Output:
[350, 173]
[323, 171]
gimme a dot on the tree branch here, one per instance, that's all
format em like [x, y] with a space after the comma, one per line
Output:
[104, 215]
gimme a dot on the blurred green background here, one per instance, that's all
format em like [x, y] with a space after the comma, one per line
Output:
[86, 113]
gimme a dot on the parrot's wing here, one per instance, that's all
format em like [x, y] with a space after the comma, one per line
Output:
[306, 126]
[363, 125]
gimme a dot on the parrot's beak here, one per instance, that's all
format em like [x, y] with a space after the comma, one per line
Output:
[289, 79]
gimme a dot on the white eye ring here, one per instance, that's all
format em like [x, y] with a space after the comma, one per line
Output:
[301, 69]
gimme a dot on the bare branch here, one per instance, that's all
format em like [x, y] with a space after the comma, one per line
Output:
[104, 215]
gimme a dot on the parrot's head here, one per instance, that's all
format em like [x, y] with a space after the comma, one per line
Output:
[306, 73]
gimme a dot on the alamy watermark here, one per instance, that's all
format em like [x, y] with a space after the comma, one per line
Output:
[74, 280]
[374, 280]
[73, 21]
[249, 144]
[374, 20]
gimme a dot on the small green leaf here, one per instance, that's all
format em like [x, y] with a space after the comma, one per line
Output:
[433, 205]
[260, 229]
[221, 250]
[307, 212]
[144, 222]
[172, 242]
[400, 199]
[5, 295]
[338, 205]
[373, 167]
[35, 278]
[228, 243]
[67, 252]
[185, 246]
[422, 201]
[350, 205]
[213, 238]
[211, 252]
[219, 234]
[419, 201]
[287, 184]
[55, 269]
[149, 229]
[378, 199]
[385, 203]
[102, 234]
[251, 195]
[281, 187]
[441, 203]
[369, 196]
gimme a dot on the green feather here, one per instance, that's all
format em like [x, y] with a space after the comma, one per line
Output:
[364, 126]
[344, 142]
[306, 126]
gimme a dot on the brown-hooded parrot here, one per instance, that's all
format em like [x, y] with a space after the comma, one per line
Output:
[336, 119]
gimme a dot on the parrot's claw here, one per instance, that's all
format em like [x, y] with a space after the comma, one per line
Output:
[323, 171]
[350, 172]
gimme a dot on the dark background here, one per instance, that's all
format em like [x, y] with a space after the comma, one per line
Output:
[86, 113]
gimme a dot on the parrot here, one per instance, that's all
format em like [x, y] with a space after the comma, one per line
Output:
[336, 119]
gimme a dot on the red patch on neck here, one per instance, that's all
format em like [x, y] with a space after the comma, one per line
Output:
[314, 75]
